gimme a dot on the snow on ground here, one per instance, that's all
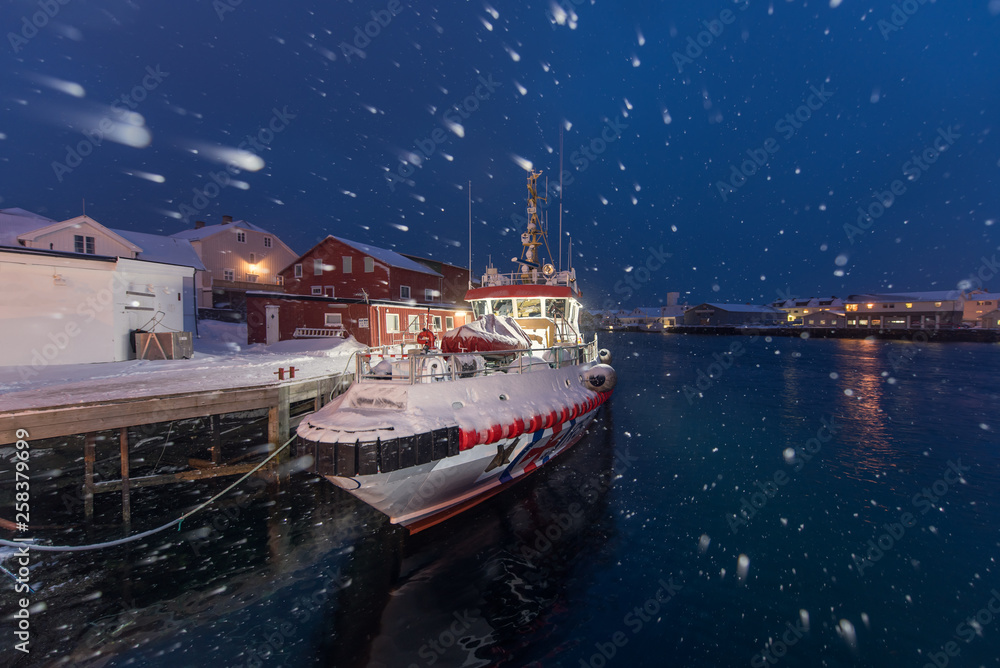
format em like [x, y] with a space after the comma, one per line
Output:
[222, 360]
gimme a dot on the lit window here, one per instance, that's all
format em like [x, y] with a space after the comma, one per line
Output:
[279, 280]
[267, 242]
[228, 275]
[938, 304]
[317, 267]
[298, 271]
[404, 292]
[347, 264]
[333, 320]
[369, 265]
[850, 307]
[241, 237]
[870, 305]
[909, 304]
[317, 290]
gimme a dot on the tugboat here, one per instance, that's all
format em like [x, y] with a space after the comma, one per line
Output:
[424, 434]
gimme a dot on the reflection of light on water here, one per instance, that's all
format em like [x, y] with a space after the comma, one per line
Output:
[861, 406]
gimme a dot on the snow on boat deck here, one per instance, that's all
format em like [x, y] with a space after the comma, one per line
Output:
[220, 363]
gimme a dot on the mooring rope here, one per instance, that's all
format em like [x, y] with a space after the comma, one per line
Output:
[144, 534]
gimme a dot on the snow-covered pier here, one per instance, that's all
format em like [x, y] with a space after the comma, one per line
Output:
[64, 402]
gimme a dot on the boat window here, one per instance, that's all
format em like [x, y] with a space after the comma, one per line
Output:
[529, 308]
[555, 309]
[502, 307]
[479, 308]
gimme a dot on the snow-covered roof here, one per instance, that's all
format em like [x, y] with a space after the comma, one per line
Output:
[932, 296]
[159, 248]
[207, 231]
[391, 258]
[76, 222]
[743, 308]
[15, 222]
[672, 311]
[812, 302]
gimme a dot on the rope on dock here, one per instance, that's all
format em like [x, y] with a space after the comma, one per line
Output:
[144, 534]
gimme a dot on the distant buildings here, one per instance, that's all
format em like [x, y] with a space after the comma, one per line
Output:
[905, 310]
[797, 309]
[711, 314]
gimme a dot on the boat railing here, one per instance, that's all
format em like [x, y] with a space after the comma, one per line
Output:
[530, 277]
[399, 365]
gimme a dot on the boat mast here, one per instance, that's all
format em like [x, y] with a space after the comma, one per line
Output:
[470, 234]
[533, 237]
[560, 193]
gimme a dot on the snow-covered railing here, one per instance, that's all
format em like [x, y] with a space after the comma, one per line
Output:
[531, 277]
[319, 332]
[395, 364]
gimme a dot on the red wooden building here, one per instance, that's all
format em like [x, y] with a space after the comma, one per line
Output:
[376, 295]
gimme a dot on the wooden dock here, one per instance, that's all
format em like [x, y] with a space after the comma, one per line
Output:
[89, 418]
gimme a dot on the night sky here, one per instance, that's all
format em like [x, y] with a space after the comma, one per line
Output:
[834, 99]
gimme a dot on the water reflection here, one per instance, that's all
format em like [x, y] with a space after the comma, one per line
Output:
[481, 591]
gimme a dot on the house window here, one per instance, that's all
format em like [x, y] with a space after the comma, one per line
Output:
[228, 275]
[369, 265]
[392, 322]
[449, 322]
[404, 292]
[347, 264]
[253, 258]
[328, 290]
[317, 290]
[429, 295]
[241, 237]
[851, 307]
[279, 280]
[909, 304]
[83, 244]
[267, 242]
[298, 271]
[938, 304]
[333, 320]
[317, 267]
[252, 278]
[414, 325]
[437, 323]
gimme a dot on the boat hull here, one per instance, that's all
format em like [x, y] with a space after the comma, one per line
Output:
[422, 496]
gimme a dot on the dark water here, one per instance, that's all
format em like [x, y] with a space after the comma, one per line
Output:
[626, 551]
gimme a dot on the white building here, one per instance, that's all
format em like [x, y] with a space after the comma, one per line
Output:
[68, 308]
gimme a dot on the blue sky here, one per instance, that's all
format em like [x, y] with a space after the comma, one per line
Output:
[683, 93]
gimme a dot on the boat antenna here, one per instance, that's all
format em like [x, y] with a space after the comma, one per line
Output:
[470, 234]
[560, 193]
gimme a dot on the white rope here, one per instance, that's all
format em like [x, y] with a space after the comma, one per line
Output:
[144, 534]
